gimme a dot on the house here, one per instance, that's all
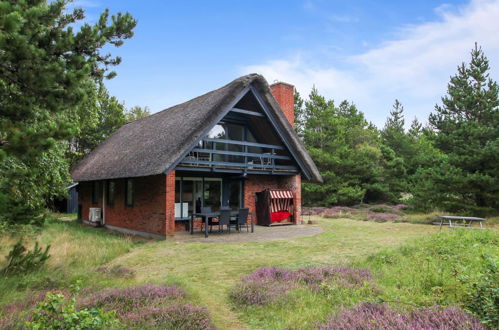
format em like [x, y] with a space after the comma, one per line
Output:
[218, 149]
[68, 204]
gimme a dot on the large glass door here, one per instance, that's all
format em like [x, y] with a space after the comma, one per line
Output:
[232, 193]
[235, 194]
[188, 196]
[192, 193]
[213, 193]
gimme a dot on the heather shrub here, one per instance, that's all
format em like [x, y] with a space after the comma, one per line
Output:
[382, 217]
[151, 306]
[368, 316]
[58, 311]
[260, 293]
[124, 300]
[14, 313]
[268, 284]
[400, 207]
[170, 317]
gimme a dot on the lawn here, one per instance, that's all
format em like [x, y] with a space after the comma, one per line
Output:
[208, 271]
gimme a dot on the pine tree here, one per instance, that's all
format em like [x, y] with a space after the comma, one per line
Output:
[396, 119]
[393, 133]
[299, 113]
[467, 132]
[346, 151]
[48, 70]
[416, 128]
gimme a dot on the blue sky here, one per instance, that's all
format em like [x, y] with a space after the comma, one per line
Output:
[368, 52]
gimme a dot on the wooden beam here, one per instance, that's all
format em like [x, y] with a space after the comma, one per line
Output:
[243, 143]
[248, 112]
[239, 153]
[239, 165]
[234, 171]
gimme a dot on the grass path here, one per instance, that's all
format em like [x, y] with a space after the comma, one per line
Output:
[209, 270]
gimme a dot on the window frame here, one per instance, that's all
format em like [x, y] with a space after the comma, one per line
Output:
[95, 192]
[110, 198]
[131, 202]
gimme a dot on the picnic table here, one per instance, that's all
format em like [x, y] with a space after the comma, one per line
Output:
[206, 215]
[455, 221]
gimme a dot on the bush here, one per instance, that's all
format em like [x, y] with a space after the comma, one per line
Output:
[171, 317]
[124, 300]
[58, 311]
[267, 284]
[22, 261]
[371, 316]
[382, 217]
[260, 293]
[483, 298]
[151, 306]
[445, 269]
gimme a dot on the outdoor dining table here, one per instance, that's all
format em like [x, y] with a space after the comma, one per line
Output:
[468, 221]
[206, 215]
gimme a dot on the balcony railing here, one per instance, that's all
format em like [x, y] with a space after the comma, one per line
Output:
[219, 157]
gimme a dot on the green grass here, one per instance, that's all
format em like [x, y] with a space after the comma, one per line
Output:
[75, 253]
[437, 269]
[208, 271]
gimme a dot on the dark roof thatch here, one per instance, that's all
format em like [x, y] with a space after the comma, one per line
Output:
[152, 145]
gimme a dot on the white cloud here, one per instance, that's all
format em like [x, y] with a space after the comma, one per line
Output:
[415, 68]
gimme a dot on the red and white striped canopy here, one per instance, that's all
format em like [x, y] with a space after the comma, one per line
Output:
[281, 194]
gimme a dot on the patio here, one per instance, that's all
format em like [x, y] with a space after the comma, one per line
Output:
[261, 234]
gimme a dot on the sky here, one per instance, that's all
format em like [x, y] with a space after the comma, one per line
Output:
[366, 52]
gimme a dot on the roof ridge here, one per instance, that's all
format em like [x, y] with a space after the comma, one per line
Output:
[149, 145]
[246, 80]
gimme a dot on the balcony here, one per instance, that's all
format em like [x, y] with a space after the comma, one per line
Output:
[232, 156]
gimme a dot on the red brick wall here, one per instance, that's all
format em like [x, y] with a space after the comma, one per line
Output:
[284, 95]
[257, 183]
[154, 202]
[85, 199]
[146, 215]
[170, 204]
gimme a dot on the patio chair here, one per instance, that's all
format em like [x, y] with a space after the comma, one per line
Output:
[224, 219]
[242, 220]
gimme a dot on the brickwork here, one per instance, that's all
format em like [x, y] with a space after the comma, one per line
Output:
[170, 203]
[284, 95]
[154, 196]
[257, 183]
[147, 213]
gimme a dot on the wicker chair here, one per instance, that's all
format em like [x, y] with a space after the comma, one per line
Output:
[242, 220]
[224, 219]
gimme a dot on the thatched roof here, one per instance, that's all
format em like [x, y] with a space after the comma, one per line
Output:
[155, 144]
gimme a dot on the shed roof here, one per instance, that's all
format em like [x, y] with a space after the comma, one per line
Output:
[155, 144]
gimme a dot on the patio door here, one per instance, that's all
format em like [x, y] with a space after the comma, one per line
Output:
[212, 193]
[233, 193]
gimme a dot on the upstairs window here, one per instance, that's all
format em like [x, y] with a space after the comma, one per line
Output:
[129, 192]
[217, 132]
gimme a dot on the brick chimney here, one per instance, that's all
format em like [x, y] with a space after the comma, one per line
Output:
[285, 95]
